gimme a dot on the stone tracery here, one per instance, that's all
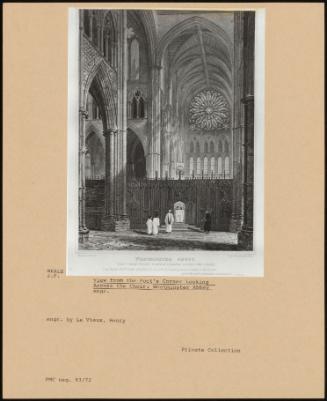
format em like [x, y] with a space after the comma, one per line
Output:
[208, 111]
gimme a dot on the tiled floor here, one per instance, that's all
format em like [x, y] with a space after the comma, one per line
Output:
[191, 239]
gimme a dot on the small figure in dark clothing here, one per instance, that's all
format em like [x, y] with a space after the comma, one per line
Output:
[207, 223]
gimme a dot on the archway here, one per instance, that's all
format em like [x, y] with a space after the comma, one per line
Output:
[179, 212]
[98, 101]
[136, 165]
[96, 167]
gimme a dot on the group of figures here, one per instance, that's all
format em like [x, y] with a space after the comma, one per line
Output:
[153, 223]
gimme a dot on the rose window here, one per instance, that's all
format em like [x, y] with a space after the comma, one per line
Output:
[209, 110]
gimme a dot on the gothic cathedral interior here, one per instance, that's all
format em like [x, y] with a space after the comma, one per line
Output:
[166, 119]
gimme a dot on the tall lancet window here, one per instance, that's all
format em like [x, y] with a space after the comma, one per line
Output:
[135, 60]
[197, 147]
[141, 107]
[205, 166]
[226, 166]
[198, 166]
[106, 45]
[192, 147]
[220, 166]
[191, 166]
[109, 45]
[134, 107]
[212, 165]
[137, 106]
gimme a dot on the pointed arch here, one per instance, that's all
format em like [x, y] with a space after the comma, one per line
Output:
[150, 29]
[109, 38]
[136, 164]
[103, 92]
[147, 19]
[176, 31]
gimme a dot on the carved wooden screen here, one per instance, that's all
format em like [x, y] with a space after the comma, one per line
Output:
[145, 197]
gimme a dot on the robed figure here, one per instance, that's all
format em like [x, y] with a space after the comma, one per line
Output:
[149, 225]
[169, 221]
[155, 224]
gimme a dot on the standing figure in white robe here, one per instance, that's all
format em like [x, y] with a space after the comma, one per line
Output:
[169, 221]
[155, 224]
[149, 225]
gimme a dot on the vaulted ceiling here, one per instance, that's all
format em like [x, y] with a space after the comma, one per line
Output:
[200, 59]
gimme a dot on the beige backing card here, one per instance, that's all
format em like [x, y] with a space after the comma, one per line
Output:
[277, 322]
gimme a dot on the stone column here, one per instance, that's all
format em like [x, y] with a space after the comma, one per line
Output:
[117, 181]
[167, 132]
[166, 154]
[172, 164]
[237, 132]
[122, 220]
[83, 231]
[108, 220]
[112, 170]
[154, 153]
[246, 234]
[115, 218]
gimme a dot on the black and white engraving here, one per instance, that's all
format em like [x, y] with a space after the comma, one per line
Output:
[166, 130]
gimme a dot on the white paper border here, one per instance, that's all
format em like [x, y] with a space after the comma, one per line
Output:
[126, 262]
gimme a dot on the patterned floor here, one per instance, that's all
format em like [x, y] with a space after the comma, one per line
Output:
[191, 239]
